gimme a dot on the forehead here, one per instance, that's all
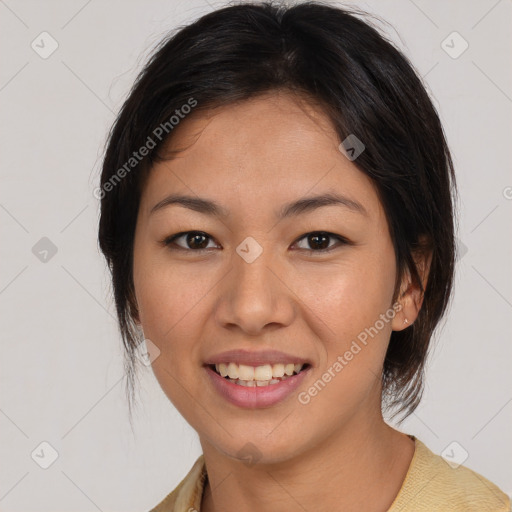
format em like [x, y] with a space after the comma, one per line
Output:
[281, 118]
[275, 147]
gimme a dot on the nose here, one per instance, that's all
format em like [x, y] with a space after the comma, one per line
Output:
[255, 298]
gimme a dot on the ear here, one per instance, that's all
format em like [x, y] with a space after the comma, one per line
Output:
[411, 297]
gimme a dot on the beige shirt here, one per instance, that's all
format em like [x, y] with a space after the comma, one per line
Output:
[430, 485]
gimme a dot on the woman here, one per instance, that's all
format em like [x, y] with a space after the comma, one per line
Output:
[277, 214]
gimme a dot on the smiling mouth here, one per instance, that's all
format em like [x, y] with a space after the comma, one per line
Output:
[258, 377]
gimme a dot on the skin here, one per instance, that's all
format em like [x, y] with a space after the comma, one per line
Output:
[252, 158]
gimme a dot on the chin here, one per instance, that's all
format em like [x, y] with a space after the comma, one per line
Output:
[261, 450]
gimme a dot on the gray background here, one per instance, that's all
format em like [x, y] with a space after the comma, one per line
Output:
[61, 367]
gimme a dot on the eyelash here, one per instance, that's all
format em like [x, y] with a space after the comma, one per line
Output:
[170, 240]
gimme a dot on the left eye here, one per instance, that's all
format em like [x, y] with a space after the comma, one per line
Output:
[319, 240]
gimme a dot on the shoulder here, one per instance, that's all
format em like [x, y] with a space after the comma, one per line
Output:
[188, 493]
[432, 485]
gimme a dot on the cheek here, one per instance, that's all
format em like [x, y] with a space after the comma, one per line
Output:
[168, 292]
[173, 303]
[348, 305]
[349, 296]
[167, 295]
[347, 302]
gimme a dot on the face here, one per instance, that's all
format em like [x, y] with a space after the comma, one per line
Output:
[250, 279]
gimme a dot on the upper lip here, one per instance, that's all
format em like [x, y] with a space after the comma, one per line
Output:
[255, 358]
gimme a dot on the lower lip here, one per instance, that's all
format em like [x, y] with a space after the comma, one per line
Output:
[258, 396]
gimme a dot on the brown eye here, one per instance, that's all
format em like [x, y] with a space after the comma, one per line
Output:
[196, 240]
[318, 241]
[193, 240]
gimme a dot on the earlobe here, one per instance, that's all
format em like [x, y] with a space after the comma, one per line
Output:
[412, 292]
[410, 301]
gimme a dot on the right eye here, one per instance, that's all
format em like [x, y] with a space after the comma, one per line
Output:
[194, 241]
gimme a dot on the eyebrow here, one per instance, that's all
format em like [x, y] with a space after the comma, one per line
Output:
[304, 205]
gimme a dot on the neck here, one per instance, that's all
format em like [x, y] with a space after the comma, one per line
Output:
[359, 468]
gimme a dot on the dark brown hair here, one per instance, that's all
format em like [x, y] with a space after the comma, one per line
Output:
[366, 87]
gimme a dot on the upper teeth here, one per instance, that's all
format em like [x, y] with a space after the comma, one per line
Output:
[265, 372]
